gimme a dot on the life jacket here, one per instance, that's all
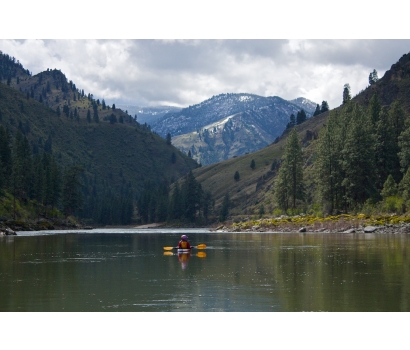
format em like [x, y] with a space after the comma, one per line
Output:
[184, 245]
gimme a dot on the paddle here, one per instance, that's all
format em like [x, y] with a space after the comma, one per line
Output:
[199, 246]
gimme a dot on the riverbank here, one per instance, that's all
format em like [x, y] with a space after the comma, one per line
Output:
[343, 223]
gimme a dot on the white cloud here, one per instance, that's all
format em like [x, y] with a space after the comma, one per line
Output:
[186, 72]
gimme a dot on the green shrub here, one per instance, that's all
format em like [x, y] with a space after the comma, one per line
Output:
[393, 204]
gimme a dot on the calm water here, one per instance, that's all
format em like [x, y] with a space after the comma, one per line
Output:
[126, 270]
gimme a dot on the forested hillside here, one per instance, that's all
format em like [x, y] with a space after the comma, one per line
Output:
[98, 159]
[353, 158]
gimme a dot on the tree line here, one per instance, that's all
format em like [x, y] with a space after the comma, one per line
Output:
[184, 201]
[362, 158]
[36, 177]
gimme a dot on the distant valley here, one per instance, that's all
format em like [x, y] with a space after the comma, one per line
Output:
[148, 115]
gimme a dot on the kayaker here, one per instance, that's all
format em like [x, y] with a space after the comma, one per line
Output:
[184, 243]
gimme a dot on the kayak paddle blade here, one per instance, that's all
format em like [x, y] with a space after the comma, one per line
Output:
[168, 248]
[201, 246]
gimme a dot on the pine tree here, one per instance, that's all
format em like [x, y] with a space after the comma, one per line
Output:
[385, 148]
[225, 208]
[236, 176]
[329, 174]
[5, 157]
[173, 158]
[21, 167]
[292, 121]
[89, 116]
[192, 194]
[168, 139]
[324, 107]
[71, 190]
[289, 183]
[358, 158]
[404, 186]
[389, 188]
[253, 164]
[373, 78]
[374, 108]
[346, 93]
[300, 117]
[317, 110]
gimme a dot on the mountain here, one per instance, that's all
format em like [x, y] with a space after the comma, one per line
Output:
[221, 106]
[304, 103]
[255, 186]
[118, 154]
[229, 125]
[148, 115]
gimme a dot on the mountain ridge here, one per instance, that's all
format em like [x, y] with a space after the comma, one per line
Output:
[229, 125]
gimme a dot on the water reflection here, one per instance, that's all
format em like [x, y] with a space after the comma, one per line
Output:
[129, 271]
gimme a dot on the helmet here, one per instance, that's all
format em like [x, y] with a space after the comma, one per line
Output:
[184, 237]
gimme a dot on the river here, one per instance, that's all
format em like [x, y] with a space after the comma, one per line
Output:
[128, 270]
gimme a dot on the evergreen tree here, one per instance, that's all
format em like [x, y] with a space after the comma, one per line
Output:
[168, 139]
[374, 108]
[292, 121]
[289, 183]
[329, 174]
[113, 118]
[317, 110]
[21, 167]
[389, 188]
[300, 117]
[192, 194]
[225, 208]
[175, 211]
[373, 77]
[346, 93]
[253, 164]
[404, 186]
[89, 116]
[96, 119]
[38, 179]
[324, 107]
[358, 158]
[385, 148]
[236, 176]
[206, 205]
[5, 157]
[404, 145]
[71, 190]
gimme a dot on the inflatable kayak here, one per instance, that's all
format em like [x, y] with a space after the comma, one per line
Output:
[183, 251]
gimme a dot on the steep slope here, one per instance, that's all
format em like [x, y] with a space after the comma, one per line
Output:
[255, 186]
[254, 123]
[117, 157]
[218, 107]
[52, 89]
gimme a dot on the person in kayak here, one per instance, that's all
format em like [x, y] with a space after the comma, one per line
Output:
[184, 243]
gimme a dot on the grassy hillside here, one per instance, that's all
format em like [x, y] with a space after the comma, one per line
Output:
[255, 186]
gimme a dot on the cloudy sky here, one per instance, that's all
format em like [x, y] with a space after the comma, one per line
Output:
[163, 70]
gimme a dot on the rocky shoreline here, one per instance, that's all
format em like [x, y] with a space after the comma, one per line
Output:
[10, 227]
[392, 224]
[388, 229]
